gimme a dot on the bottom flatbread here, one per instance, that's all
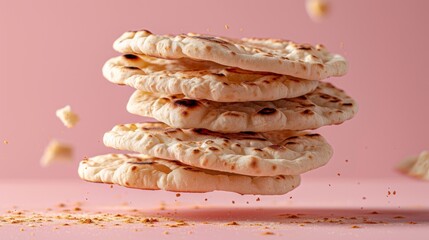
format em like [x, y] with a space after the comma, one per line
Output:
[145, 172]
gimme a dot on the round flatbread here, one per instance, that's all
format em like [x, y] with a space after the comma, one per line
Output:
[202, 79]
[255, 54]
[326, 105]
[144, 172]
[247, 153]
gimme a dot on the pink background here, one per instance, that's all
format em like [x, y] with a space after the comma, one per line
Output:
[51, 54]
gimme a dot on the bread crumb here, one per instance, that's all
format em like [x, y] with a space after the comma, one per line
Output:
[417, 167]
[86, 221]
[232, 224]
[258, 199]
[267, 233]
[355, 226]
[317, 9]
[56, 152]
[226, 26]
[5, 142]
[177, 194]
[67, 117]
[166, 233]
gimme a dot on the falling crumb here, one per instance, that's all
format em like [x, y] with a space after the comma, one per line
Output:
[67, 117]
[258, 199]
[317, 9]
[177, 194]
[267, 233]
[355, 226]
[226, 26]
[5, 142]
[232, 224]
[56, 152]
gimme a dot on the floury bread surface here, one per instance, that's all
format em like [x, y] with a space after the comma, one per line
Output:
[327, 105]
[202, 79]
[144, 172]
[255, 54]
[254, 154]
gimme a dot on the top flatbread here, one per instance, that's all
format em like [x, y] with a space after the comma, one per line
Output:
[202, 79]
[254, 54]
[327, 105]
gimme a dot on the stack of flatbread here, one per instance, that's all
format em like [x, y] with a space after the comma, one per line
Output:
[232, 113]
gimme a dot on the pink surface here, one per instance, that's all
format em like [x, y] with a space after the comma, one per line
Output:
[323, 209]
[52, 53]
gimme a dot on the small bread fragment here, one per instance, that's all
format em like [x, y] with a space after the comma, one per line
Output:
[68, 117]
[416, 166]
[317, 9]
[56, 152]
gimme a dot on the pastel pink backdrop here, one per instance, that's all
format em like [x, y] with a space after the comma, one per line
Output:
[51, 53]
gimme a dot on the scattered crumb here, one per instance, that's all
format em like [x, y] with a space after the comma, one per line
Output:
[412, 223]
[363, 198]
[166, 232]
[355, 226]
[67, 117]
[233, 202]
[61, 205]
[258, 199]
[226, 26]
[5, 142]
[55, 152]
[232, 224]
[290, 197]
[338, 174]
[267, 233]
[398, 217]
[205, 199]
[77, 209]
[111, 185]
[317, 9]
[347, 161]
[374, 212]
[178, 195]
[247, 202]
[21, 229]
[394, 193]
[86, 221]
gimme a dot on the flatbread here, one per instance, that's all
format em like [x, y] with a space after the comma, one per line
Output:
[325, 106]
[417, 166]
[247, 153]
[255, 54]
[202, 79]
[145, 172]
